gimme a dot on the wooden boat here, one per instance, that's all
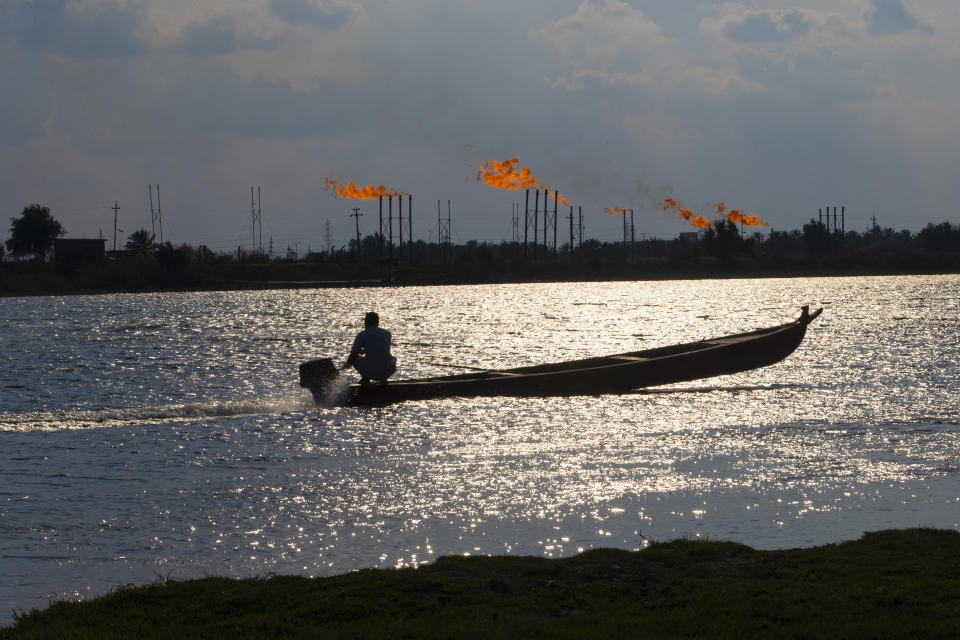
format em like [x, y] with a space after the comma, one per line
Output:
[618, 373]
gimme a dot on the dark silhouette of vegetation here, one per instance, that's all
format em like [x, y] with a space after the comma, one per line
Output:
[942, 237]
[33, 232]
[723, 250]
[141, 242]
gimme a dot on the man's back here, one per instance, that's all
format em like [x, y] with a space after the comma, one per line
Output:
[374, 343]
[370, 354]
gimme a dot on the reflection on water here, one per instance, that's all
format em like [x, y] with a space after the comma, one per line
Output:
[156, 435]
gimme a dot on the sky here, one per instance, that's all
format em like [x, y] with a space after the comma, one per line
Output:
[777, 108]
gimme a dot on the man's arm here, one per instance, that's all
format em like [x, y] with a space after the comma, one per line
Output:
[355, 351]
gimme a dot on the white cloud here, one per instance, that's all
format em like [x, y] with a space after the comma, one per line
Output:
[611, 42]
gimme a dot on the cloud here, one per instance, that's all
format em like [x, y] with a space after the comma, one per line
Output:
[890, 17]
[610, 42]
[218, 36]
[90, 29]
[305, 12]
[760, 26]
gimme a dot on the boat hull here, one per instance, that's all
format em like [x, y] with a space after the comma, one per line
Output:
[613, 374]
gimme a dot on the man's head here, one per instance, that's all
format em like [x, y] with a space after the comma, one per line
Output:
[371, 320]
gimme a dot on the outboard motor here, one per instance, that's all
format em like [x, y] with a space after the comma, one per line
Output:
[317, 375]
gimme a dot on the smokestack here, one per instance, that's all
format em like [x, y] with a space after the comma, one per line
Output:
[536, 220]
[526, 222]
[556, 201]
[580, 214]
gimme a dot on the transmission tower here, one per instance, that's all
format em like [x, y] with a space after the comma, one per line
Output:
[443, 230]
[516, 222]
[328, 235]
[156, 217]
[256, 222]
[549, 220]
[531, 222]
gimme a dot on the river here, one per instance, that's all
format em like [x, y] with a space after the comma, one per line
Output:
[158, 436]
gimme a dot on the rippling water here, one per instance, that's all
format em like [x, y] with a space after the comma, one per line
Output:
[164, 435]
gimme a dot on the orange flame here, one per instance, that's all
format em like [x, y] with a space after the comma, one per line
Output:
[617, 211]
[505, 175]
[748, 220]
[734, 215]
[689, 216]
[354, 192]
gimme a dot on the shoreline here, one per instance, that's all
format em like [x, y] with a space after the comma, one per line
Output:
[894, 583]
[27, 280]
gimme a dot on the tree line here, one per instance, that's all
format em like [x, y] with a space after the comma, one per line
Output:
[33, 234]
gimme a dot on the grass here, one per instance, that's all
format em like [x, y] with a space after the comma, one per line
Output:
[903, 583]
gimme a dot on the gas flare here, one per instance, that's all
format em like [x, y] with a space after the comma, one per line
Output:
[503, 175]
[617, 211]
[352, 191]
[734, 215]
[748, 220]
[506, 175]
[737, 216]
[689, 216]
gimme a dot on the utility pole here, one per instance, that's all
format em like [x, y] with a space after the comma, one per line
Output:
[356, 218]
[116, 209]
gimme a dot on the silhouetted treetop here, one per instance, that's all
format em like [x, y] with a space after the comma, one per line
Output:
[34, 232]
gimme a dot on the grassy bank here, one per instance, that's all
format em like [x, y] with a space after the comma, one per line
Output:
[887, 584]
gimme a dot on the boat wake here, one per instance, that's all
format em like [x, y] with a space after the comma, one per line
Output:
[713, 388]
[94, 418]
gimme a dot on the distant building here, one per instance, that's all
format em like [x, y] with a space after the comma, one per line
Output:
[79, 250]
[689, 236]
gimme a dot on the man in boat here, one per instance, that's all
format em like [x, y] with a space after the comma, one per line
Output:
[370, 354]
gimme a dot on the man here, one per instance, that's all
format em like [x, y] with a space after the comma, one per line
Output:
[370, 354]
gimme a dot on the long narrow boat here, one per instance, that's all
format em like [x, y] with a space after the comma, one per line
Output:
[618, 373]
